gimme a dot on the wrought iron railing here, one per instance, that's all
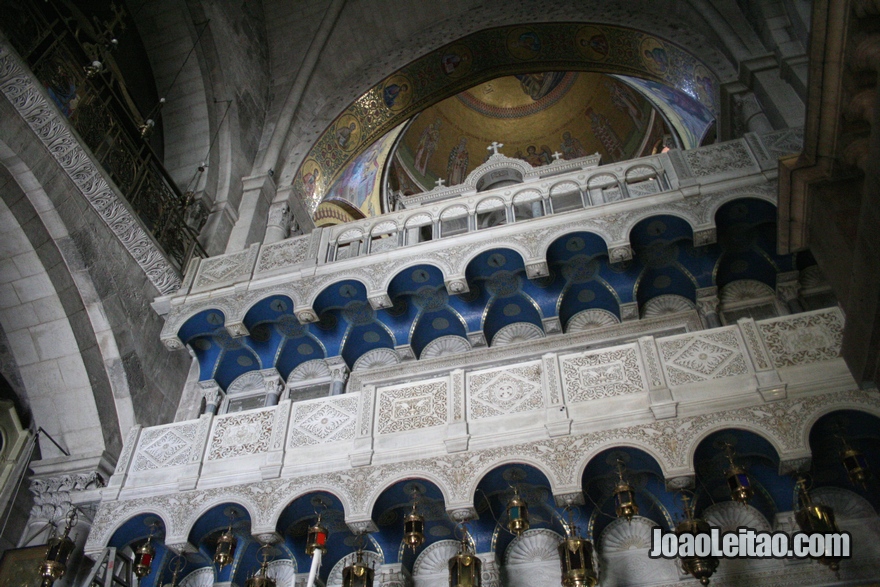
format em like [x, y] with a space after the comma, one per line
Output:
[59, 44]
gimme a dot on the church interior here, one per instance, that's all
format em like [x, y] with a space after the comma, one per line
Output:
[354, 293]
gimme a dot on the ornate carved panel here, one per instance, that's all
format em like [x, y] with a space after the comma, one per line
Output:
[508, 390]
[166, 446]
[241, 434]
[804, 338]
[328, 420]
[412, 406]
[283, 254]
[599, 374]
[709, 355]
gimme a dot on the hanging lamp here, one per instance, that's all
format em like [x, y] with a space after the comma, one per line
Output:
[517, 514]
[465, 568]
[813, 518]
[700, 567]
[576, 558]
[738, 481]
[58, 551]
[261, 578]
[414, 526]
[855, 463]
[358, 574]
[144, 556]
[624, 495]
[317, 538]
[226, 544]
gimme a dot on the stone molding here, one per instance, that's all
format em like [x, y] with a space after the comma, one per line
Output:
[28, 97]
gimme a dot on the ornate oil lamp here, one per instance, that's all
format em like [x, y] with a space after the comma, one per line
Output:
[317, 538]
[358, 574]
[517, 514]
[261, 578]
[414, 526]
[144, 556]
[576, 558]
[855, 463]
[58, 551]
[815, 518]
[226, 544]
[465, 568]
[701, 567]
[737, 479]
[624, 495]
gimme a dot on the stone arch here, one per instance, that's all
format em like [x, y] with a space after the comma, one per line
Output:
[692, 220]
[630, 442]
[274, 516]
[317, 291]
[740, 194]
[474, 252]
[841, 403]
[99, 536]
[238, 500]
[435, 262]
[563, 231]
[765, 433]
[73, 316]
[537, 464]
[413, 475]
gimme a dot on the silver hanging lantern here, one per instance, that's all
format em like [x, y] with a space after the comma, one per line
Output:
[58, 551]
[465, 568]
[576, 557]
[700, 567]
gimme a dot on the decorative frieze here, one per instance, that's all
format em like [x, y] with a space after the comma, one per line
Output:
[803, 338]
[504, 391]
[242, 434]
[601, 374]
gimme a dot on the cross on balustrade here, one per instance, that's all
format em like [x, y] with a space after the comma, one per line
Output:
[557, 155]
[440, 181]
[494, 147]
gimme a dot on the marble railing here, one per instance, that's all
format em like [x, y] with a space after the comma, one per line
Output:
[535, 395]
[704, 179]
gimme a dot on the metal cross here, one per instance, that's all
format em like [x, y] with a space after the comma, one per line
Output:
[494, 147]
[557, 155]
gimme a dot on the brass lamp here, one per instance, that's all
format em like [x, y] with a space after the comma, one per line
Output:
[737, 479]
[226, 544]
[58, 550]
[517, 514]
[576, 559]
[624, 496]
[816, 518]
[855, 463]
[317, 538]
[465, 568]
[358, 574]
[143, 557]
[414, 528]
[701, 567]
[261, 578]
